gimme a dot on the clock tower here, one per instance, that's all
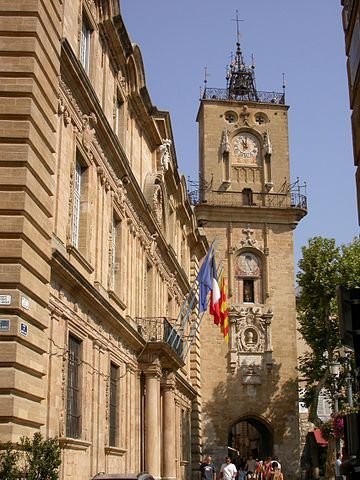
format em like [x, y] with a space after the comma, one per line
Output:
[249, 207]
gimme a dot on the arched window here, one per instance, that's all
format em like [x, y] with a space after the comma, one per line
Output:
[248, 276]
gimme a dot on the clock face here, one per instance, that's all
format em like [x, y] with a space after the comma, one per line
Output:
[246, 146]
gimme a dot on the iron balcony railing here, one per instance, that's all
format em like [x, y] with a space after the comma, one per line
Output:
[259, 97]
[159, 329]
[254, 200]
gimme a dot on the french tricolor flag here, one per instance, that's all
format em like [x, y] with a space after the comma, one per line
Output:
[215, 294]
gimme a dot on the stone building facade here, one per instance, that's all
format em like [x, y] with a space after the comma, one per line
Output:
[99, 246]
[248, 207]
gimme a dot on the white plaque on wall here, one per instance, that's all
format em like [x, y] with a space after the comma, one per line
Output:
[25, 303]
[5, 299]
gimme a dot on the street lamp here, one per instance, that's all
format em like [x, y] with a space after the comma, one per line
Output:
[344, 357]
[334, 368]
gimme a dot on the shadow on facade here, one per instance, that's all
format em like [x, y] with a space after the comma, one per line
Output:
[253, 418]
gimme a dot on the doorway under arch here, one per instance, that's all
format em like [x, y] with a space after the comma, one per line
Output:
[251, 435]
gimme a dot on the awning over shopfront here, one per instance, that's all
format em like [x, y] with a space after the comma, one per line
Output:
[320, 440]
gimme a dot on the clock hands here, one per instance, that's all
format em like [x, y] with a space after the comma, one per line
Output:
[246, 146]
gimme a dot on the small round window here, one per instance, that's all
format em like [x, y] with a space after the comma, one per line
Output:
[261, 118]
[230, 117]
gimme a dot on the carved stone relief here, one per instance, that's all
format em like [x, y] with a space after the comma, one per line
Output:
[244, 115]
[248, 240]
[158, 204]
[225, 142]
[267, 144]
[88, 130]
[251, 347]
[165, 151]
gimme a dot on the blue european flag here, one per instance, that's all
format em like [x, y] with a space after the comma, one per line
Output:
[204, 278]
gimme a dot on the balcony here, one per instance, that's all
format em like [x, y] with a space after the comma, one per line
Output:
[253, 200]
[159, 330]
[258, 97]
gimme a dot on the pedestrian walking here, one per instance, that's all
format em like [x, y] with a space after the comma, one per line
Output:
[207, 469]
[228, 470]
[338, 463]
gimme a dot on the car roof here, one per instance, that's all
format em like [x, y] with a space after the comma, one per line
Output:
[123, 476]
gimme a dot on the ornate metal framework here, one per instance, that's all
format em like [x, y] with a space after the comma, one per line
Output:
[230, 95]
[259, 200]
[240, 82]
[161, 329]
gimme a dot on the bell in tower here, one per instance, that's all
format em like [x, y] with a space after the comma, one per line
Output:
[240, 78]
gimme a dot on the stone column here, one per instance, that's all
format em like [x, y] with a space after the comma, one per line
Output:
[152, 419]
[169, 430]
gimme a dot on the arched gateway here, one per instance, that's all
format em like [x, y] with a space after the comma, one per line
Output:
[251, 435]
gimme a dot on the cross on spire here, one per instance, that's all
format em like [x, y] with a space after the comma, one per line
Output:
[240, 78]
[206, 75]
[237, 20]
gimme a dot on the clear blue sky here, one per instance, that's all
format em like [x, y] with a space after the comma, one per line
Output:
[304, 39]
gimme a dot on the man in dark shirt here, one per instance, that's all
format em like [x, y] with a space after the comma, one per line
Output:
[207, 469]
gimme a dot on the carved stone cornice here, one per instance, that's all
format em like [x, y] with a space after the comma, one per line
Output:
[84, 125]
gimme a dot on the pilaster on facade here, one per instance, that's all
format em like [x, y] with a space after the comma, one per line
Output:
[27, 134]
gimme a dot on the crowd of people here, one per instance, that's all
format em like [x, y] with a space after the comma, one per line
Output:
[242, 469]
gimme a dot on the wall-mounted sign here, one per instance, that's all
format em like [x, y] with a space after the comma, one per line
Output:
[4, 325]
[25, 303]
[24, 329]
[5, 299]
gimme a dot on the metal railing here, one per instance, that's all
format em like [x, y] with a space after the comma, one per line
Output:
[254, 200]
[259, 97]
[159, 329]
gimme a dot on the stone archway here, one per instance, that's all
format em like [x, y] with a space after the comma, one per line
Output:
[251, 435]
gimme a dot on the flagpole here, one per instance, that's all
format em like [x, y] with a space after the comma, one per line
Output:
[189, 300]
[174, 336]
[177, 332]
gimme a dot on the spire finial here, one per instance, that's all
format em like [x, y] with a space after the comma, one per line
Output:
[237, 20]
[284, 84]
[240, 78]
[206, 75]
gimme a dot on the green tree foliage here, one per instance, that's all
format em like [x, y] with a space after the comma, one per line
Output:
[33, 459]
[42, 457]
[8, 463]
[324, 265]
